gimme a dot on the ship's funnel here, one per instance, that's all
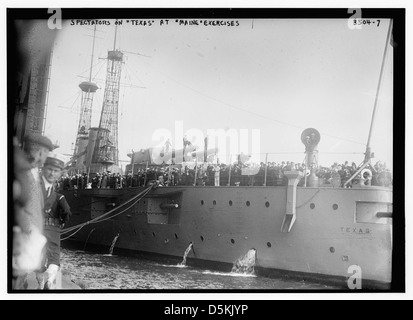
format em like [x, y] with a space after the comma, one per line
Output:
[93, 132]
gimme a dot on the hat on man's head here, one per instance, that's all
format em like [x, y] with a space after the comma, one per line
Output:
[55, 160]
[34, 138]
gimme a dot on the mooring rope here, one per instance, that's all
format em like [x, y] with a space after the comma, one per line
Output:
[134, 199]
[311, 198]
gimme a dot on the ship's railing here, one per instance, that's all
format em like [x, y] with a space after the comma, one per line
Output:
[265, 174]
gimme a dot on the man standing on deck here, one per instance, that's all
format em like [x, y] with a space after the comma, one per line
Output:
[56, 214]
[217, 170]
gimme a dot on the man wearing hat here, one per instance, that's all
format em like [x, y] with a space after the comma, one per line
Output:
[28, 239]
[36, 148]
[56, 214]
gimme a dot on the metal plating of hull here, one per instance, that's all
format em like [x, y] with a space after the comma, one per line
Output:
[334, 229]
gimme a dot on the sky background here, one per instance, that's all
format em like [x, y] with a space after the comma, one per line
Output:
[280, 76]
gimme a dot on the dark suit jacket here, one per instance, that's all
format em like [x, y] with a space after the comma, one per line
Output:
[57, 208]
[32, 213]
[55, 205]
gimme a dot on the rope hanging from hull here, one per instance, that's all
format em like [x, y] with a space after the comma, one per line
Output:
[105, 217]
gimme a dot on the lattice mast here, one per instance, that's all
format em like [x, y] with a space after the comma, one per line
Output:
[106, 150]
[88, 90]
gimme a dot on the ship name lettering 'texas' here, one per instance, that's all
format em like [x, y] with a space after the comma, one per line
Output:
[355, 230]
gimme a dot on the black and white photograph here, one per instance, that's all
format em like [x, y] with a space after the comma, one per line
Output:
[205, 150]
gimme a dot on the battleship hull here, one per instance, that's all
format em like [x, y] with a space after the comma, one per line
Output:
[334, 232]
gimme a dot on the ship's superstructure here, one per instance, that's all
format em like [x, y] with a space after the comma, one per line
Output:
[96, 148]
[85, 121]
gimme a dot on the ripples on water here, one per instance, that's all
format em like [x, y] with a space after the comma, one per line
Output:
[107, 272]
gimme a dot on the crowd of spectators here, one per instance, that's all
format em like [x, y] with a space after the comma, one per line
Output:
[380, 174]
[222, 175]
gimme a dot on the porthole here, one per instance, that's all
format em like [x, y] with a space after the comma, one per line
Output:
[335, 206]
[176, 236]
[332, 249]
[230, 203]
[202, 202]
[153, 234]
[232, 241]
[248, 203]
[312, 206]
[267, 204]
[214, 202]
[269, 245]
[202, 238]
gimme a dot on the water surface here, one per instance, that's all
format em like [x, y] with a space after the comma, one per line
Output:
[110, 271]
